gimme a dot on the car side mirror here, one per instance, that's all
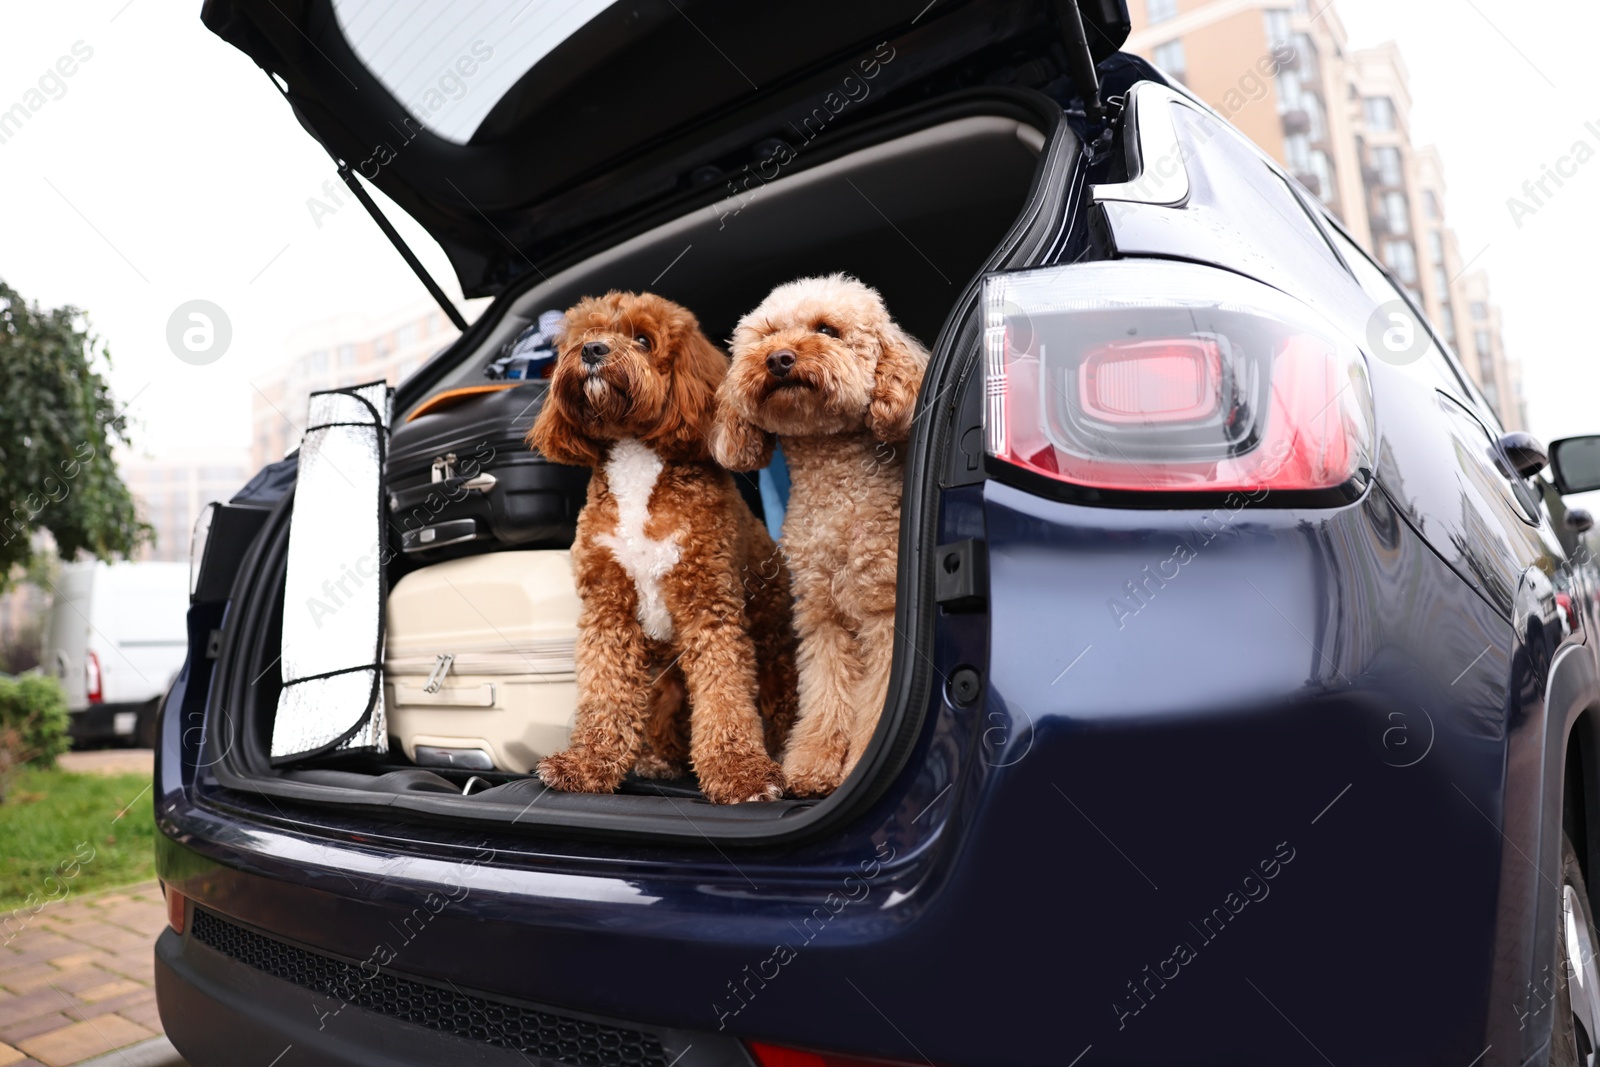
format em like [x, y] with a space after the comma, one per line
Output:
[1524, 452]
[1579, 520]
[1575, 463]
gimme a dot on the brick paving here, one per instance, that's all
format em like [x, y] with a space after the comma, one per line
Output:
[78, 980]
[109, 761]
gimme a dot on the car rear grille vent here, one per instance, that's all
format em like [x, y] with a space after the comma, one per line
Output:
[562, 1038]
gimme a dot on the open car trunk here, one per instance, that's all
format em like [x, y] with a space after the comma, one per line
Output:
[919, 212]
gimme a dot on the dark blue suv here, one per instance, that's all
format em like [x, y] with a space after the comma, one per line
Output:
[1241, 708]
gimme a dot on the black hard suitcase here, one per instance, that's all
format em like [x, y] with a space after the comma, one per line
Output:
[462, 479]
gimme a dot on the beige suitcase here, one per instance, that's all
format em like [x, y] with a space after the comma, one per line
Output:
[478, 660]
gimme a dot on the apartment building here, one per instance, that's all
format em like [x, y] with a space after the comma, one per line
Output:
[170, 491]
[337, 352]
[1482, 350]
[1339, 120]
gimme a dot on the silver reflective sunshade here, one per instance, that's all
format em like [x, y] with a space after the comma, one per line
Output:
[332, 698]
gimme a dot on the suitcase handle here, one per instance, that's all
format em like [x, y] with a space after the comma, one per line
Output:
[439, 535]
[482, 482]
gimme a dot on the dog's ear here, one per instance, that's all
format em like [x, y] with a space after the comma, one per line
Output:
[737, 443]
[556, 436]
[698, 367]
[901, 361]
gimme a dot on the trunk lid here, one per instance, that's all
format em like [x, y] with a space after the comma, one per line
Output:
[513, 129]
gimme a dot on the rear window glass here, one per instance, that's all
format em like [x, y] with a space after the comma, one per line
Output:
[448, 63]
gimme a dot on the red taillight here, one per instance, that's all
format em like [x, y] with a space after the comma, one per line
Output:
[1151, 381]
[175, 909]
[779, 1056]
[1169, 377]
[91, 677]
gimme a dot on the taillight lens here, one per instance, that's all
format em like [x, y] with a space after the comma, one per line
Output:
[1155, 376]
[91, 678]
[781, 1056]
[1174, 380]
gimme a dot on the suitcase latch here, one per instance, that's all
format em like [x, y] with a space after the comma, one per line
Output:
[444, 467]
[441, 667]
[444, 470]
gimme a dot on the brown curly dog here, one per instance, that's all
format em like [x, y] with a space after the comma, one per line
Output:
[682, 588]
[821, 365]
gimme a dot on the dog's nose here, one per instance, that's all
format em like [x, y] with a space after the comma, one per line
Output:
[780, 363]
[594, 352]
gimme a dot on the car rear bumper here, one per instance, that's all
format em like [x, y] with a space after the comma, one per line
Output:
[223, 987]
[1047, 929]
[104, 722]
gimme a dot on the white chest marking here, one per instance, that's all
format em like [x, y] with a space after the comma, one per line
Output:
[631, 472]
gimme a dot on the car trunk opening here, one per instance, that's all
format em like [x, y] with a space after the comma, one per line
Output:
[918, 215]
[915, 218]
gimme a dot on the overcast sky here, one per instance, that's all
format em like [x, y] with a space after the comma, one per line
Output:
[169, 170]
[166, 168]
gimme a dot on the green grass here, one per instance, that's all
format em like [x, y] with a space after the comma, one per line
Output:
[67, 834]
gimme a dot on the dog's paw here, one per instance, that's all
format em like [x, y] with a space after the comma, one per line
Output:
[651, 765]
[811, 779]
[572, 772]
[813, 786]
[741, 780]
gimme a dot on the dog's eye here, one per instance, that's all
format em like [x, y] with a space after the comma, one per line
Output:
[642, 341]
[826, 330]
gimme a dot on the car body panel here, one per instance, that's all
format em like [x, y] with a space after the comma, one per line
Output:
[1352, 761]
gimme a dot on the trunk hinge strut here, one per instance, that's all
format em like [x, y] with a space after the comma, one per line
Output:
[399, 243]
[349, 178]
[1081, 60]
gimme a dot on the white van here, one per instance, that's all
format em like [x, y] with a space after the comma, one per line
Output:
[116, 638]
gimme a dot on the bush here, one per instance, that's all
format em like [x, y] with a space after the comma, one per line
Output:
[33, 722]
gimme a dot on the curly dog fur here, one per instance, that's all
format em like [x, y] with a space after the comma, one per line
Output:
[821, 366]
[685, 642]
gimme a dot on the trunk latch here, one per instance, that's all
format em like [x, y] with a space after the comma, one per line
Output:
[961, 576]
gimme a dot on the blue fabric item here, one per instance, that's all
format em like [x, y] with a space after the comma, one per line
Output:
[774, 481]
[531, 353]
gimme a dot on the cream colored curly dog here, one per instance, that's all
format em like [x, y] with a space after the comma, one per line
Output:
[821, 366]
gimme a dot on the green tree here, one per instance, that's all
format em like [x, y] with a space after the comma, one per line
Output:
[57, 427]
